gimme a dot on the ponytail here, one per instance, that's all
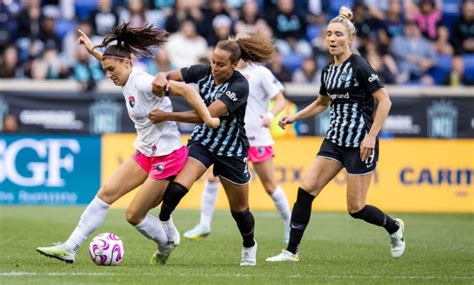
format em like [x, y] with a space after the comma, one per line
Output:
[136, 41]
[256, 48]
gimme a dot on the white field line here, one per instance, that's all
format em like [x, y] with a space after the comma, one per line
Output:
[305, 276]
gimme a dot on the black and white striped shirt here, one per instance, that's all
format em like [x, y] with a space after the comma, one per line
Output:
[350, 87]
[230, 138]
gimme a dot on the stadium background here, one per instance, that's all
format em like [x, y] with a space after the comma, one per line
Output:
[64, 126]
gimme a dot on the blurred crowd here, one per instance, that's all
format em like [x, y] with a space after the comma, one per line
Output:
[418, 42]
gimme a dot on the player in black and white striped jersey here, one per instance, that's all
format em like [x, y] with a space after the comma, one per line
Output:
[225, 92]
[349, 85]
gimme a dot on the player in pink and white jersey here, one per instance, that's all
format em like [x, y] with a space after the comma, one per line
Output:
[159, 154]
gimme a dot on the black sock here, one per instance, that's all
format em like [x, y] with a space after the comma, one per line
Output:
[374, 215]
[246, 224]
[173, 194]
[299, 219]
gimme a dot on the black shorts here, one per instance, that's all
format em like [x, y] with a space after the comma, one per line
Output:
[233, 168]
[349, 157]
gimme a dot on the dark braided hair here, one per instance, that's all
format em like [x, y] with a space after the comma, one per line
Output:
[137, 41]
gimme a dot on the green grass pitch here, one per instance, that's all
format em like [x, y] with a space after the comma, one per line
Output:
[336, 249]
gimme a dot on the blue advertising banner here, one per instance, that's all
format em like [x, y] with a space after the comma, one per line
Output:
[49, 169]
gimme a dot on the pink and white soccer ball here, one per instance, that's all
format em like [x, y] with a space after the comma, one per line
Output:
[106, 249]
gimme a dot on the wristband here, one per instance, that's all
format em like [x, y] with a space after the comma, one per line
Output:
[270, 115]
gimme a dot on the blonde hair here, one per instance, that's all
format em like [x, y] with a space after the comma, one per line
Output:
[345, 18]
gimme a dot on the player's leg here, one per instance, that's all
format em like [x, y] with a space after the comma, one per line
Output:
[321, 171]
[126, 177]
[234, 175]
[266, 172]
[357, 188]
[208, 203]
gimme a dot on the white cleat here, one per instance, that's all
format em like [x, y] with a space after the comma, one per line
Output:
[171, 232]
[162, 254]
[57, 251]
[397, 240]
[284, 256]
[248, 256]
[199, 231]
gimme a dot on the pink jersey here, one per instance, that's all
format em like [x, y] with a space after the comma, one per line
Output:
[263, 86]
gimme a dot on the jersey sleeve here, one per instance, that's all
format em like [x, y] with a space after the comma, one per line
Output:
[236, 95]
[270, 84]
[193, 73]
[367, 76]
[143, 83]
[322, 89]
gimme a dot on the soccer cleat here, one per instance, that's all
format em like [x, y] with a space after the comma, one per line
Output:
[162, 254]
[58, 252]
[171, 232]
[397, 240]
[199, 231]
[248, 256]
[286, 235]
[284, 256]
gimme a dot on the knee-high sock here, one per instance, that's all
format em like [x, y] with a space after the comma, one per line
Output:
[299, 219]
[151, 227]
[246, 224]
[92, 217]
[208, 203]
[173, 194]
[281, 203]
[375, 216]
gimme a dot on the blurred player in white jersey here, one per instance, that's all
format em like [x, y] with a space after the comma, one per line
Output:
[159, 154]
[263, 88]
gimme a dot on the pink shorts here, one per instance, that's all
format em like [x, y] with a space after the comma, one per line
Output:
[162, 167]
[260, 153]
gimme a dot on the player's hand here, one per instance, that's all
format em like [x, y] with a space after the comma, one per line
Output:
[213, 123]
[266, 119]
[285, 120]
[85, 41]
[367, 147]
[157, 116]
[160, 84]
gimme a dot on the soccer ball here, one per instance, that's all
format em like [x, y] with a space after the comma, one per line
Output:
[106, 249]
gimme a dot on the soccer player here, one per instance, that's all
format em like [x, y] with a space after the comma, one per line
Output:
[263, 87]
[159, 154]
[349, 85]
[225, 91]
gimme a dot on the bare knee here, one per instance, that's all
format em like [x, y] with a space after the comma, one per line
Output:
[107, 194]
[355, 206]
[133, 216]
[269, 186]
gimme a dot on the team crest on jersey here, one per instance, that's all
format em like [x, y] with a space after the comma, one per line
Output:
[131, 101]
[153, 148]
[343, 76]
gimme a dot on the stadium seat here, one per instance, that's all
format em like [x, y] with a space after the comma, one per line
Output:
[312, 32]
[63, 26]
[84, 8]
[442, 68]
[336, 4]
[292, 61]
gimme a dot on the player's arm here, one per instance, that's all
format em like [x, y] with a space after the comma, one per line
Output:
[160, 83]
[278, 106]
[317, 107]
[192, 97]
[367, 145]
[216, 109]
[89, 46]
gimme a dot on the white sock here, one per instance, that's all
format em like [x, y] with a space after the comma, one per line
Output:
[281, 203]
[90, 220]
[208, 203]
[152, 228]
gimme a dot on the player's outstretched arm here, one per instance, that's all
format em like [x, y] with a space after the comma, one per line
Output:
[192, 97]
[88, 45]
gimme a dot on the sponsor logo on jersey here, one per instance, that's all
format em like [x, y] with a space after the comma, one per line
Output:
[231, 95]
[373, 77]
[338, 96]
[131, 101]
